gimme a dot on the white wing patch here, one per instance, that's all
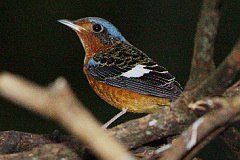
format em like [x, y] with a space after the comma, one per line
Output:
[137, 71]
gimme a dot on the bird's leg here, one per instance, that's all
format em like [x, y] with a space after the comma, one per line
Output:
[123, 111]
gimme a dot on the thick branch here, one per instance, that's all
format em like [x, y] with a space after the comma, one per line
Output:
[59, 103]
[47, 151]
[219, 80]
[166, 121]
[154, 126]
[14, 141]
[227, 110]
[231, 136]
[202, 61]
[178, 115]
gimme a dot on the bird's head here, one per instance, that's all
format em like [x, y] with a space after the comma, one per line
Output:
[96, 34]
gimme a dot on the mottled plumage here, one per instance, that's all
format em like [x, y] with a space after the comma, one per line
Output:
[110, 65]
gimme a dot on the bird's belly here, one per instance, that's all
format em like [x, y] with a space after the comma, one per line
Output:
[121, 98]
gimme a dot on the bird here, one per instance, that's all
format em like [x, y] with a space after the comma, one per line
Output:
[121, 74]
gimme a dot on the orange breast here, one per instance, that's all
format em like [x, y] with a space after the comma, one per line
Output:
[121, 98]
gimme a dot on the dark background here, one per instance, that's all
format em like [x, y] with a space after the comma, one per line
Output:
[36, 46]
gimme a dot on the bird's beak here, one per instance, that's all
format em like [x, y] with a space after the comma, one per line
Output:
[71, 24]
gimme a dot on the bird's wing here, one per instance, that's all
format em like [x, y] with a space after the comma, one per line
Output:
[134, 72]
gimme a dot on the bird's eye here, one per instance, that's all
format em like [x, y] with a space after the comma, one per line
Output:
[97, 28]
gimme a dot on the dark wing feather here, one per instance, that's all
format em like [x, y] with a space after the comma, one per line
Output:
[108, 68]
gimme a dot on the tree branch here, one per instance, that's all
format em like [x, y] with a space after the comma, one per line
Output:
[227, 110]
[59, 103]
[47, 151]
[202, 61]
[152, 127]
[219, 80]
[178, 115]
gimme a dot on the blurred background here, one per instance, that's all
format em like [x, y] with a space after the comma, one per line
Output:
[36, 46]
